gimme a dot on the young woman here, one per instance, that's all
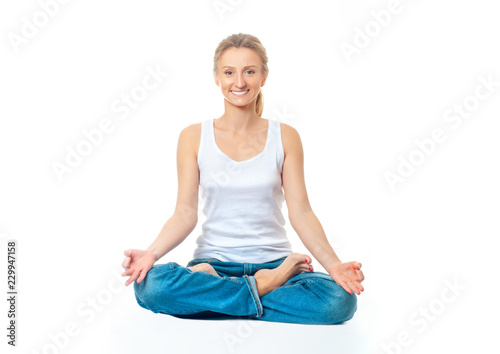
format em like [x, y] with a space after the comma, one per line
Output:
[243, 265]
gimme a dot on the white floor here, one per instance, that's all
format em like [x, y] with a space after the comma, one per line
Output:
[133, 330]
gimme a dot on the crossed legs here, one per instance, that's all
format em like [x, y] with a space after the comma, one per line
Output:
[270, 279]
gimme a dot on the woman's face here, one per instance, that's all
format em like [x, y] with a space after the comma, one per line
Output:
[240, 75]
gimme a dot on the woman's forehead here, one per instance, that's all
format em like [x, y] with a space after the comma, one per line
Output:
[239, 57]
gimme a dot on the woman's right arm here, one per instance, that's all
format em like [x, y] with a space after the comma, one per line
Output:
[185, 216]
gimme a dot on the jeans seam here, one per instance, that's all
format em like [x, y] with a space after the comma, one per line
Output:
[255, 296]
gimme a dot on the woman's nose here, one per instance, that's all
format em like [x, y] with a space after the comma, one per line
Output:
[240, 81]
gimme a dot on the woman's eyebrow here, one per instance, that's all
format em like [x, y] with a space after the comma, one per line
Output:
[231, 67]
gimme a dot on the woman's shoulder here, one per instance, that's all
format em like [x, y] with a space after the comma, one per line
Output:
[289, 133]
[290, 138]
[288, 129]
[190, 136]
[194, 128]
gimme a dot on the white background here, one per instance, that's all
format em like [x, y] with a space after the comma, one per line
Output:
[355, 115]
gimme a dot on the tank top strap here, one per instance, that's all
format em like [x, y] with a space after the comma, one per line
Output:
[275, 142]
[208, 146]
[205, 141]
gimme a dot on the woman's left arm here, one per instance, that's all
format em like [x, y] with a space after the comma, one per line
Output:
[304, 221]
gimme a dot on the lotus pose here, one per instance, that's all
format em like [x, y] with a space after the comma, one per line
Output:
[243, 265]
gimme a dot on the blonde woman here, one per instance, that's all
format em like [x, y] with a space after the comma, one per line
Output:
[243, 265]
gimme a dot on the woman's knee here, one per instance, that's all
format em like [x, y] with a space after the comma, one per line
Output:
[336, 304]
[344, 306]
[147, 291]
[144, 292]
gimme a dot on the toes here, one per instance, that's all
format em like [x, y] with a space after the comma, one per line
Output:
[308, 259]
[303, 258]
[306, 268]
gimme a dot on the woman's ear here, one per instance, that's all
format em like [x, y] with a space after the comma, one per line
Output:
[264, 80]
[216, 78]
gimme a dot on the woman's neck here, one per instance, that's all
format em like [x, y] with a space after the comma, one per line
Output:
[239, 119]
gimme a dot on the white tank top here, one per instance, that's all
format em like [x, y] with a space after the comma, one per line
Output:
[242, 201]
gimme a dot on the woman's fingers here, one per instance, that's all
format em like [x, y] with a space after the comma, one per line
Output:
[127, 272]
[354, 288]
[133, 277]
[128, 258]
[359, 286]
[143, 275]
[126, 262]
[350, 277]
[345, 287]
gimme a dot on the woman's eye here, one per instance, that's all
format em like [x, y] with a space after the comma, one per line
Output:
[230, 72]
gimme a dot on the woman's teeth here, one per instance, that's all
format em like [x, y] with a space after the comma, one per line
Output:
[239, 93]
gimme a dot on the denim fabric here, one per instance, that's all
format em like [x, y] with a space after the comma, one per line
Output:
[307, 298]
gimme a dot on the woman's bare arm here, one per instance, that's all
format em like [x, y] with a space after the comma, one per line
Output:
[185, 216]
[304, 221]
[138, 262]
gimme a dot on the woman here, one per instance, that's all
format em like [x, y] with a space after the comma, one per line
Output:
[243, 265]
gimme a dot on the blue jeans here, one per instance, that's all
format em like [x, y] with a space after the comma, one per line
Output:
[307, 298]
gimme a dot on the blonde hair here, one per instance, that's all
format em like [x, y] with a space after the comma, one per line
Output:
[247, 41]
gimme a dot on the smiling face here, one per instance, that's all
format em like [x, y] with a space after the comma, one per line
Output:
[240, 75]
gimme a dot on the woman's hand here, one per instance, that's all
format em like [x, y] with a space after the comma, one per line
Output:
[137, 262]
[349, 276]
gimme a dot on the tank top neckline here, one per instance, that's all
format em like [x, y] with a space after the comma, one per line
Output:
[250, 159]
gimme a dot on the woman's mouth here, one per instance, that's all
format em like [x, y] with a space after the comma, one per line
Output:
[239, 93]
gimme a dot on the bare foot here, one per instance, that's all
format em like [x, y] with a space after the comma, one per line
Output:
[204, 267]
[269, 279]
